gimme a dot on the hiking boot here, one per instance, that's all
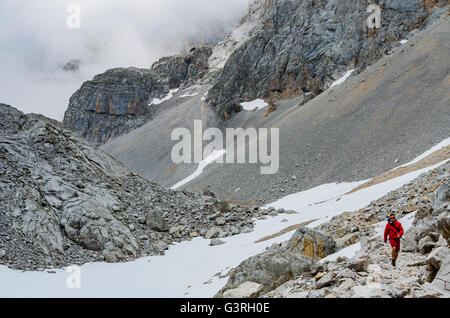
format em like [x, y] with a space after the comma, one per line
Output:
[393, 263]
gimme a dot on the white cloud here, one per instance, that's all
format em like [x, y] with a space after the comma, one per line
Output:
[35, 42]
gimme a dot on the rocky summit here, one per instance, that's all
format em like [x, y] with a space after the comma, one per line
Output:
[64, 202]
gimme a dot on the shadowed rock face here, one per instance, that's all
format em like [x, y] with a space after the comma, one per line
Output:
[113, 103]
[117, 101]
[303, 46]
[177, 70]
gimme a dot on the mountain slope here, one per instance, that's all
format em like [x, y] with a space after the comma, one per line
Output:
[395, 109]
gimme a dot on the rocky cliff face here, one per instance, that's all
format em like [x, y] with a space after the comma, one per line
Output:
[177, 70]
[117, 101]
[113, 103]
[64, 202]
[299, 47]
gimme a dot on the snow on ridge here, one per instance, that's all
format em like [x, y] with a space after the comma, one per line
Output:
[255, 104]
[201, 166]
[403, 41]
[342, 79]
[157, 101]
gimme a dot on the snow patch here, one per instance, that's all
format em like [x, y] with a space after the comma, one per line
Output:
[201, 166]
[403, 41]
[342, 79]
[254, 105]
[157, 101]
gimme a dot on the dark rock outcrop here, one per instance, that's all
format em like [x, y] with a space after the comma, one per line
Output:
[177, 70]
[113, 103]
[303, 46]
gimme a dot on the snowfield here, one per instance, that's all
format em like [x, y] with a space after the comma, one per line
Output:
[189, 269]
[254, 105]
[342, 79]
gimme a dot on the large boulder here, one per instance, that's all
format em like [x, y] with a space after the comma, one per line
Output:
[442, 197]
[437, 257]
[443, 224]
[426, 245]
[359, 265]
[113, 103]
[245, 290]
[155, 221]
[442, 280]
[284, 262]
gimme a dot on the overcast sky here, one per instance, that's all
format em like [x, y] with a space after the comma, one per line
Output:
[35, 41]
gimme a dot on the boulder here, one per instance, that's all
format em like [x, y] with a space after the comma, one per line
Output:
[346, 273]
[368, 292]
[155, 221]
[216, 242]
[426, 245]
[437, 257]
[346, 284]
[212, 233]
[245, 290]
[442, 280]
[443, 224]
[442, 196]
[325, 281]
[359, 265]
[281, 263]
[409, 245]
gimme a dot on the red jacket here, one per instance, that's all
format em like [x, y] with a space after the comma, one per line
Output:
[395, 232]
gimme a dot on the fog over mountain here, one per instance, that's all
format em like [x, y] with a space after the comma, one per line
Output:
[36, 42]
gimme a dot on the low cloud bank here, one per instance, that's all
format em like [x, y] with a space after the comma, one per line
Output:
[36, 42]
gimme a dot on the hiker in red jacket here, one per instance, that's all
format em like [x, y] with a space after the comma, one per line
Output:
[395, 231]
